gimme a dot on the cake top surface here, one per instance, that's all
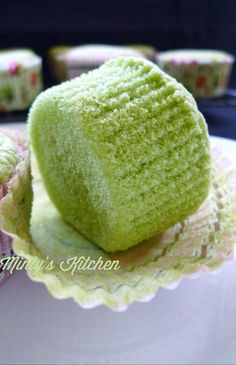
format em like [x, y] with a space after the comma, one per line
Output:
[197, 55]
[23, 57]
[98, 53]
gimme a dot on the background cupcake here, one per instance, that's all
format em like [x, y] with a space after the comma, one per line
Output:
[20, 79]
[147, 50]
[57, 62]
[205, 73]
[68, 63]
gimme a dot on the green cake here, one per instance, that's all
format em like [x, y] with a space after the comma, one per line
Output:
[123, 152]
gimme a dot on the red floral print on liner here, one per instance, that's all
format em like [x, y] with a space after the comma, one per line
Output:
[33, 79]
[201, 82]
[173, 62]
[14, 69]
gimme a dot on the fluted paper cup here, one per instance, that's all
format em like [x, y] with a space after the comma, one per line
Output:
[56, 253]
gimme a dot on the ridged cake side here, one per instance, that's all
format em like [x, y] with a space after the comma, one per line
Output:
[123, 152]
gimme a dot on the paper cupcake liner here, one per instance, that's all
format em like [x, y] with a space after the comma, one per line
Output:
[204, 79]
[20, 83]
[200, 243]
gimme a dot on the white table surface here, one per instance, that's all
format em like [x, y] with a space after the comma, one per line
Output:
[193, 324]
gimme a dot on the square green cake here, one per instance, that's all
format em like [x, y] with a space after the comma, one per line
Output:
[123, 152]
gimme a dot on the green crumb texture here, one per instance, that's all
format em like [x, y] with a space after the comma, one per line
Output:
[123, 152]
[8, 158]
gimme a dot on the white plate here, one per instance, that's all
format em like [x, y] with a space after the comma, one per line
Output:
[194, 324]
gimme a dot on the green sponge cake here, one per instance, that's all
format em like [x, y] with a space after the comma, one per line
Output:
[123, 152]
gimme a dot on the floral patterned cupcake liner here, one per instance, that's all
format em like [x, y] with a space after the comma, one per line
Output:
[20, 79]
[204, 73]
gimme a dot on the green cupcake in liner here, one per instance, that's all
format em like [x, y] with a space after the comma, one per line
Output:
[205, 73]
[70, 62]
[57, 63]
[130, 148]
[201, 241]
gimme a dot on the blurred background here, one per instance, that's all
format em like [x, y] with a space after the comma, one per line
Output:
[163, 24]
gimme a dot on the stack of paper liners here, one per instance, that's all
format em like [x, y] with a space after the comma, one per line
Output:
[123, 152]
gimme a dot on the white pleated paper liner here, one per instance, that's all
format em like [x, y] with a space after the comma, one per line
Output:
[200, 243]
